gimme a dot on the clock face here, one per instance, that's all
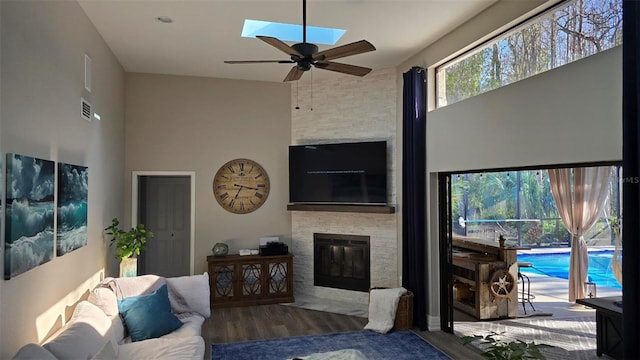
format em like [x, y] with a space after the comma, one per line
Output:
[241, 186]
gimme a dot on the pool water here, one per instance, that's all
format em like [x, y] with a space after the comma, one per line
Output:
[557, 265]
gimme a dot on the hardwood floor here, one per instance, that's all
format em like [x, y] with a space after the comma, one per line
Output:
[274, 321]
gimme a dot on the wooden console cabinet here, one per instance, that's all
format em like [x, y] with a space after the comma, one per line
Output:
[474, 263]
[250, 280]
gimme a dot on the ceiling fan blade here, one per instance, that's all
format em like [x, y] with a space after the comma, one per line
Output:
[280, 45]
[355, 48]
[294, 74]
[343, 68]
[258, 61]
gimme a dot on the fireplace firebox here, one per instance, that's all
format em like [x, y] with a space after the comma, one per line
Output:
[341, 261]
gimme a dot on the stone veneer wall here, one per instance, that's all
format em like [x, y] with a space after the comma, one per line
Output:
[346, 109]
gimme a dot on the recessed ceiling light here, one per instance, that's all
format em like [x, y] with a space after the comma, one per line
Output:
[164, 19]
[291, 32]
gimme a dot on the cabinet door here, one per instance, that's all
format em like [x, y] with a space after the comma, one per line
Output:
[278, 278]
[223, 283]
[251, 279]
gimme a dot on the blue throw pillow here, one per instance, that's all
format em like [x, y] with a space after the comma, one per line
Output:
[148, 316]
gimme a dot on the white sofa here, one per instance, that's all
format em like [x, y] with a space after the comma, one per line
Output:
[98, 330]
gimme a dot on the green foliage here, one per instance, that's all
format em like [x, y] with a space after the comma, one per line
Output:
[500, 350]
[463, 79]
[128, 243]
[534, 234]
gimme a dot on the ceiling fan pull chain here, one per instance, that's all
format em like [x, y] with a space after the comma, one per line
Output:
[297, 104]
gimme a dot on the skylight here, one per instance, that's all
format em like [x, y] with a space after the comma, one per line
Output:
[291, 32]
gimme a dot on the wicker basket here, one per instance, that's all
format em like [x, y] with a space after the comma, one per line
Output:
[404, 313]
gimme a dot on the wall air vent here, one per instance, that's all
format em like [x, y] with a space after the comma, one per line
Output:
[85, 109]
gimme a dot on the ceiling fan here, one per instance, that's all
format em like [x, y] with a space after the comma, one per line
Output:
[305, 54]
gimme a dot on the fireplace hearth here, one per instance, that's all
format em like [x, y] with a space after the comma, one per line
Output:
[342, 261]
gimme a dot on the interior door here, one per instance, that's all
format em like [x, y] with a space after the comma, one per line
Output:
[165, 209]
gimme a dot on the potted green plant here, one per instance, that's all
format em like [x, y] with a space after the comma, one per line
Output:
[128, 245]
[496, 349]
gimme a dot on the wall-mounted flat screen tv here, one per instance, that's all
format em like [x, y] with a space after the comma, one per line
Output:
[344, 173]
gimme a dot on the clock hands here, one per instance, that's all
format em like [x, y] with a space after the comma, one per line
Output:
[240, 187]
[244, 187]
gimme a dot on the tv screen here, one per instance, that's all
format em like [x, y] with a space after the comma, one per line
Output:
[345, 173]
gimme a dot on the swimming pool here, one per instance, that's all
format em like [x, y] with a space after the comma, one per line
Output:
[557, 264]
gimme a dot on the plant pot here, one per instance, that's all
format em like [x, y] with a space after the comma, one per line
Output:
[129, 267]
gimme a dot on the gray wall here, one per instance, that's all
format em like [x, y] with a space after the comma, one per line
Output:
[180, 123]
[43, 46]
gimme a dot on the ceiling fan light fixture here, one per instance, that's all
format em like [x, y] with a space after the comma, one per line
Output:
[304, 65]
[306, 49]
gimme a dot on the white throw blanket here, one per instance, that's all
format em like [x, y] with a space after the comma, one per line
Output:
[133, 286]
[383, 304]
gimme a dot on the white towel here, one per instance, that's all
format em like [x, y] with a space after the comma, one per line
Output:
[383, 304]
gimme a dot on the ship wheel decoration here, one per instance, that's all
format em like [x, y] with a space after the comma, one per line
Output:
[501, 284]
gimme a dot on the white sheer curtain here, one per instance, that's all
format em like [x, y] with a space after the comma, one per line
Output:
[579, 199]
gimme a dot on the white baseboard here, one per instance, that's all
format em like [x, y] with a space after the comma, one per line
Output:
[434, 322]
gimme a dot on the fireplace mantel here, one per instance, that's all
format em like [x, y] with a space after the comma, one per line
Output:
[379, 209]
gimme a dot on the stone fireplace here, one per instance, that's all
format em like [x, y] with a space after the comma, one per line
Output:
[341, 261]
[380, 229]
[347, 109]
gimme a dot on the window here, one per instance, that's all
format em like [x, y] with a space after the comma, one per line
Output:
[571, 31]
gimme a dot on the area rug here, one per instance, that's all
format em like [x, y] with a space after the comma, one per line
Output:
[395, 345]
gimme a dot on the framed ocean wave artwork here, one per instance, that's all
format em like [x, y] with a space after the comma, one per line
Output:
[72, 208]
[29, 213]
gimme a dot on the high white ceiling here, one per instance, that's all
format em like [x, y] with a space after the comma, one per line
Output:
[205, 33]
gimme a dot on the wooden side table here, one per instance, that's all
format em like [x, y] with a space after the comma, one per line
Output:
[236, 280]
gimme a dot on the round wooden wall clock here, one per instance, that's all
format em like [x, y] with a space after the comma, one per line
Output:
[241, 186]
